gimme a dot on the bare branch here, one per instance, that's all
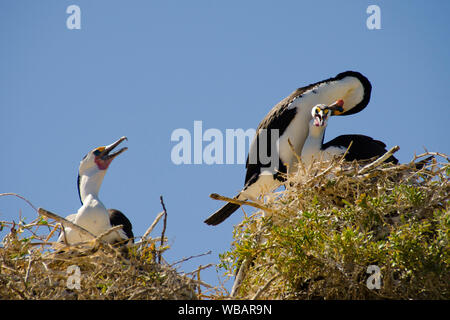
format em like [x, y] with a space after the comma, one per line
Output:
[240, 277]
[65, 222]
[150, 229]
[258, 293]
[107, 232]
[379, 161]
[216, 196]
[299, 158]
[191, 257]
[18, 196]
[164, 227]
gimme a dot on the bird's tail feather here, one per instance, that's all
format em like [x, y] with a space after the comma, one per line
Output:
[220, 215]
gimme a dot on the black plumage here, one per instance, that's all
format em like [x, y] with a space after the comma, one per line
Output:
[116, 218]
[281, 118]
[362, 147]
[226, 211]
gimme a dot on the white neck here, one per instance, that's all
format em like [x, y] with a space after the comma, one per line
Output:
[313, 143]
[90, 183]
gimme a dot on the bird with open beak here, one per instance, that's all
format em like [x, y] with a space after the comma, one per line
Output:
[93, 215]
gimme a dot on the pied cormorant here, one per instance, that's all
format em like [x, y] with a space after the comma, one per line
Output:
[362, 147]
[288, 121]
[93, 215]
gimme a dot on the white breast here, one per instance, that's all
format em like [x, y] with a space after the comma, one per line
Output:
[349, 89]
[296, 132]
[312, 153]
[92, 216]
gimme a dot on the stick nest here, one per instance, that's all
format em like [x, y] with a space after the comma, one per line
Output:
[320, 235]
[29, 269]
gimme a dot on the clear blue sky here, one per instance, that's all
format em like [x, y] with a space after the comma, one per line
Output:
[145, 68]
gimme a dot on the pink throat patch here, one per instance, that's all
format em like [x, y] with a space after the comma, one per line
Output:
[102, 164]
[317, 122]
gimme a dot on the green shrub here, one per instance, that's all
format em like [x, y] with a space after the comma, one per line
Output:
[329, 226]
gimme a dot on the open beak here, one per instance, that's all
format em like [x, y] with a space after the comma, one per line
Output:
[106, 155]
[319, 120]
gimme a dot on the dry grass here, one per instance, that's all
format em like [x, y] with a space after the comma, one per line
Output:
[336, 219]
[316, 241]
[30, 269]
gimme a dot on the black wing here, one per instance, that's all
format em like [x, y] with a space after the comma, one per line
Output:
[363, 147]
[116, 218]
[280, 117]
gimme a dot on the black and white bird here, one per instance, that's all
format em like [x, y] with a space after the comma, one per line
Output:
[289, 121]
[360, 147]
[93, 215]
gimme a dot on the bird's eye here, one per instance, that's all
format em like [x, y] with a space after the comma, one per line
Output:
[99, 150]
[317, 110]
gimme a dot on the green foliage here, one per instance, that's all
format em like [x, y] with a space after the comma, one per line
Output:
[327, 230]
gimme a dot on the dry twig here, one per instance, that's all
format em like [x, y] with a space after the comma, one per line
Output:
[164, 227]
[65, 222]
[152, 226]
[216, 196]
[379, 161]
